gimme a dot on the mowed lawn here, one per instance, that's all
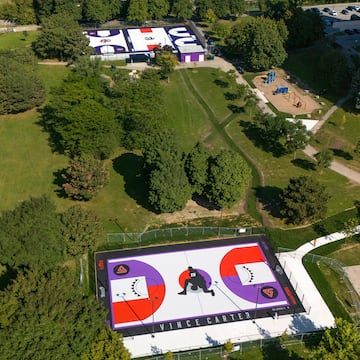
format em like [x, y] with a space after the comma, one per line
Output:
[26, 162]
[278, 170]
[185, 116]
[340, 134]
[28, 165]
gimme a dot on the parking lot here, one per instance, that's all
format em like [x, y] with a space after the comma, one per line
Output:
[338, 8]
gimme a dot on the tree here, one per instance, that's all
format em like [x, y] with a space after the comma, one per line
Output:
[196, 166]
[182, 9]
[210, 16]
[61, 38]
[259, 41]
[251, 102]
[324, 159]
[228, 179]
[273, 128]
[46, 8]
[21, 87]
[81, 231]
[84, 178]
[30, 235]
[167, 62]
[305, 28]
[355, 83]
[201, 7]
[138, 114]
[47, 316]
[351, 228]
[357, 148]
[98, 11]
[339, 343]
[304, 200]
[169, 189]
[108, 345]
[297, 137]
[168, 186]
[158, 9]
[81, 121]
[20, 12]
[137, 11]
[334, 71]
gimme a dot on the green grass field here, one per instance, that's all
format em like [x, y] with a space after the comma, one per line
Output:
[123, 199]
[14, 40]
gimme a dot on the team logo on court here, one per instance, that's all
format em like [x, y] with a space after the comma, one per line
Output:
[121, 269]
[269, 292]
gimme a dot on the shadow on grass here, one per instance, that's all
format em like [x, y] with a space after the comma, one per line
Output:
[223, 84]
[320, 229]
[341, 153]
[59, 181]
[269, 197]
[254, 134]
[304, 164]
[205, 203]
[131, 167]
[278, 352]
[235, 109]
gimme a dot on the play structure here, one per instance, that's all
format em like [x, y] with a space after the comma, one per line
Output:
[270, 78]
[281, 90]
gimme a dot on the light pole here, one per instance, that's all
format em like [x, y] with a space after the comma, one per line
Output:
[152, 315]
[256, 303]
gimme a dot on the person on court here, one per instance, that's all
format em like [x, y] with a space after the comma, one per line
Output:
[197, 281]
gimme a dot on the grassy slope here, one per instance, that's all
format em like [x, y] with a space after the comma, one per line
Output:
[26, 162]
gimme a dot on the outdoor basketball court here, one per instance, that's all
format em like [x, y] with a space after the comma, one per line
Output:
[189, 294]
[143, 40]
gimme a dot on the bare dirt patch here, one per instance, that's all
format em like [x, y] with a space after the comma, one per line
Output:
[296, 101]
[353, 273]
[194, 211]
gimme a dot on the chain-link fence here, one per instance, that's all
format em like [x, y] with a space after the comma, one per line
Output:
[177, 234]
[338, 268]
[217, 352]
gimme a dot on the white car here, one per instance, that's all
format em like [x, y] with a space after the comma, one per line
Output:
[333, 13]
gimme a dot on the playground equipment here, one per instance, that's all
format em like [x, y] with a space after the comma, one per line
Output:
[281, 90]
[271, 75]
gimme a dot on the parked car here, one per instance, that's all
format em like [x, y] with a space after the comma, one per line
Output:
[351, 7]
[344, 11]
[348, 31]
[356, 31]
[356, 8]
[316, 10]
[327, 9]
[333, 13]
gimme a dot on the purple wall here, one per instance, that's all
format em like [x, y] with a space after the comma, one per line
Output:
[193, 57]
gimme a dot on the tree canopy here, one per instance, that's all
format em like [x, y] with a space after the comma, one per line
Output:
[31, 235]
[259, 42]
[46, 316]
[228, 179]
[339, 343]
[80, 119]
[304, 200]
[84, 178]
[168, 186]
[61, 38]
[81, 231]
[21, 87]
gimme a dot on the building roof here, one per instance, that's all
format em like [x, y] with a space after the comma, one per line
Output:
[191, 49]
